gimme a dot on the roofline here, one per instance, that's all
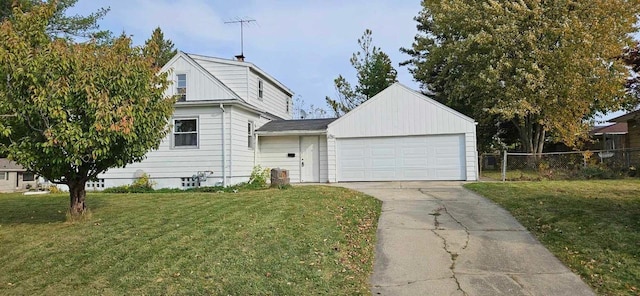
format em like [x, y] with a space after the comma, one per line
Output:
[246, 64]
[420, 95]
[613, 133]
[196, 64]
[626, 117]
[207, 103]
[291, 133]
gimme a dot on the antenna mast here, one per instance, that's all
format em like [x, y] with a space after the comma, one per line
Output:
[242, 22]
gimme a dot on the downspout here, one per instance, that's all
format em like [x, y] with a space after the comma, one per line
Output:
[224, 171]
[231, 143]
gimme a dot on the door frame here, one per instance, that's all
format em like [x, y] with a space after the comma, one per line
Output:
[317, 157]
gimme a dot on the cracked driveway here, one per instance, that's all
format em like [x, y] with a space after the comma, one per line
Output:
[437, 238]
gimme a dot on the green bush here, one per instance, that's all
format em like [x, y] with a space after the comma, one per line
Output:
[259, 177]
[140, 185]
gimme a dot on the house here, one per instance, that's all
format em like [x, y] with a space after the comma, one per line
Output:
[221, 103]
[609, 137]
[231, 116]
[632, 119]
[13, 177]
[398, 134]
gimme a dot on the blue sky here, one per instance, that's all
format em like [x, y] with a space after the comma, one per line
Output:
[304, 44]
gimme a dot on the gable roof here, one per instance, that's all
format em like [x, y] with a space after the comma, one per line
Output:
[249, 65]
[296, 125]
[204, 71]
[626, 117]
[405, 88]
[7, 165]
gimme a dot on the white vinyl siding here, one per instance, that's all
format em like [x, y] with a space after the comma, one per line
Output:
[274, 100]
[242, 156]
[233, 76]
[199, 85]
[401, 112]
[274, 153]
[167, 165]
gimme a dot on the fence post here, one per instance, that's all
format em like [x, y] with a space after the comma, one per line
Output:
[504, 166]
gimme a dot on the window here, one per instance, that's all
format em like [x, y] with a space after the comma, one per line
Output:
[260, 89]
[3, 176]
[181, 87]
[288, 103]
[250, 134]
[28, 176]
[185, 133]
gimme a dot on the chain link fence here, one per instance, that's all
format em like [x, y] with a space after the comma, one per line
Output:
[605, 164]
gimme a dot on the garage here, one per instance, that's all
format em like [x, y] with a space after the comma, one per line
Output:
[401, 135]
[435, 157]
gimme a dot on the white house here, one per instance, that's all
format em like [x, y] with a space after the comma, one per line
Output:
[397, 135]
[231, 116]
[221, 104]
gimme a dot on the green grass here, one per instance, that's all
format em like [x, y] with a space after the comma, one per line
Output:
[303, 240]
[592, 226]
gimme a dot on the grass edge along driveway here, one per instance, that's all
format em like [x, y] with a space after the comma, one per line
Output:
[591, 226]
[303, 240]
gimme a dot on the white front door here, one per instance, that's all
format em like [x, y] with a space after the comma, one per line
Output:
[309, 159]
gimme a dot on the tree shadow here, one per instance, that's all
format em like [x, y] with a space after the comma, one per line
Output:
[21, 209]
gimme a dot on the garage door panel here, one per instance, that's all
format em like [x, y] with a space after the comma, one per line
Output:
[438, 157]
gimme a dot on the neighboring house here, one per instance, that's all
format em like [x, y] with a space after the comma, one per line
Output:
[13, 177]
[610, 137]
[398, 134]
[231, 116]
[632, 119]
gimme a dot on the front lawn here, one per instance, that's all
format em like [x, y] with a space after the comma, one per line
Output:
[302, 240]
[592, 226]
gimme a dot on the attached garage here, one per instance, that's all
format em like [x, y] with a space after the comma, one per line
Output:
[402, 135]
[398, 135]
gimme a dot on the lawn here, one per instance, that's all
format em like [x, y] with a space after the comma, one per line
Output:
[302, 240]
[592, 226]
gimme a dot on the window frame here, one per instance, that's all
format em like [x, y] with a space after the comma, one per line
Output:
[173, 132]
[186, 88]
[260, 89]
[27, 173]
[251, 134]
[4, 176]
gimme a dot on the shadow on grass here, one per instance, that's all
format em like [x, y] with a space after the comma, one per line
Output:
[21, 209]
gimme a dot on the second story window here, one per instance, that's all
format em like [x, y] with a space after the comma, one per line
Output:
[181, 87]
[288, 103]
[260, 89]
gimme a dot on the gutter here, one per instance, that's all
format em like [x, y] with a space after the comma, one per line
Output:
[291, 133]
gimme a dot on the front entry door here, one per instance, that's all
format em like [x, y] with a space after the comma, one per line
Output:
[309, 159]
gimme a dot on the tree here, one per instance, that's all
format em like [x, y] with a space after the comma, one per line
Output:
[72, 111]
[164, 48]
[374, 73]
[60, 24]
[545, 66]
[302, 111]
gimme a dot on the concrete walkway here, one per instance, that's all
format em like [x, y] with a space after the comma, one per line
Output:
[437, 238]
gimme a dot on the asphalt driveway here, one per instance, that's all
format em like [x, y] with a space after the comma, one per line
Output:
[437, 238]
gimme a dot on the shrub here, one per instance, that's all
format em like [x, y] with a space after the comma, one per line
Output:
[54, 189]
[259, 177]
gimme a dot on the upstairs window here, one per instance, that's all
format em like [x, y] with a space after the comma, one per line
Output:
[260, 89]
[288, 103]
[181, 87]
[185, 132]
[250, 134]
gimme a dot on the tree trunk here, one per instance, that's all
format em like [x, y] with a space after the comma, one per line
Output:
[77, 194]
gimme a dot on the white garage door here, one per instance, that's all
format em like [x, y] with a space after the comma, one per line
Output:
[438, 157]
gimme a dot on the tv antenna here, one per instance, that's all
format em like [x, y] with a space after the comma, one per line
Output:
[242, 22]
